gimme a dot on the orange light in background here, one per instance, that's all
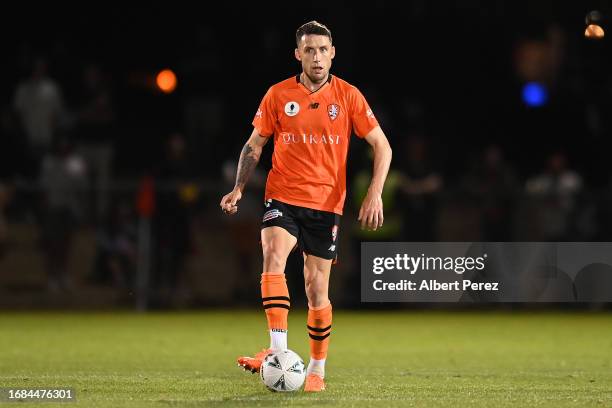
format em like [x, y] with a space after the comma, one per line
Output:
[594, 31]
[166, 81]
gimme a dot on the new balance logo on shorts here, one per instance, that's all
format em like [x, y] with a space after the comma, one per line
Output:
[270, 215]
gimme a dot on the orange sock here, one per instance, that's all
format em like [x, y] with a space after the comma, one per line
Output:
[319, 329]
[275, 298]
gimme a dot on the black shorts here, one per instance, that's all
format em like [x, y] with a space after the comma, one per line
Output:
[316, 231]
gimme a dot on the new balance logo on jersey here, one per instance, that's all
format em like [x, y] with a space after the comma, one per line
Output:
[270, 215]
[290, 138]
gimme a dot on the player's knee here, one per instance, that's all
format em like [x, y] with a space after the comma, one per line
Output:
[274, 262]
[315, 290]
[274, 258]
[315, 282]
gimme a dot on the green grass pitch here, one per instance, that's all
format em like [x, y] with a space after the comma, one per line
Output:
[377, 359]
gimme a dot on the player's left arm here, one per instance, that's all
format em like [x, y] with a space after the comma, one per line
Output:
[371, 212]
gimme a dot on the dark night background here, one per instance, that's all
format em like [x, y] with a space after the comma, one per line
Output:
[472, 160]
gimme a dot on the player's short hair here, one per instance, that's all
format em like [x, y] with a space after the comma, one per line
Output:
[312, 27]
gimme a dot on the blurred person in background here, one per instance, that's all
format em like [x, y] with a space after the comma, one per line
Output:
[117, 251]
[419, 183]
[555, 192]
[394, 220]
[495, 185]
[94, 134]
[63, 182]
[39, 105]
[177, 199]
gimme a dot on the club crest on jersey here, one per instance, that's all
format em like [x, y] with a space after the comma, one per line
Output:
[334, 233]
[333, 110]
[292, 108]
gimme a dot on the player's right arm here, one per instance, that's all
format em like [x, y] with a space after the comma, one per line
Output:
[249, 157]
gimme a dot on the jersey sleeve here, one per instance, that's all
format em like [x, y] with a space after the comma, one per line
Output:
[361, 114]
[265, 118]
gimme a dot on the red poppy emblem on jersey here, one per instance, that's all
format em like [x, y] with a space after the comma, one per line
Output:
[333, 110]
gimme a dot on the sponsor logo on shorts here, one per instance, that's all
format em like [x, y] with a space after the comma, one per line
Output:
[332, 248]
[270, 215]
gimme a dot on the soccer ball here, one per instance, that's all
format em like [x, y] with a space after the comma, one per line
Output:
[283, 371]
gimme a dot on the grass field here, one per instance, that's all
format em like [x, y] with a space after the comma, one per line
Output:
[381, 359]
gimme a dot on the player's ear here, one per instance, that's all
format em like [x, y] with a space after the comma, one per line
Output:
[297, 55]
[333, 52]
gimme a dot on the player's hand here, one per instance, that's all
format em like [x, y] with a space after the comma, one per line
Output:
[229, 202]
[371, 212]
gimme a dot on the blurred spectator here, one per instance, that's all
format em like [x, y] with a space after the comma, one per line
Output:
[95, 121]
[540, 57]
[38, 102]
[117, 248]
[393, 212]
[63, 180]
[420, 182]
[176, 205]
[495, 185]
[555, 192]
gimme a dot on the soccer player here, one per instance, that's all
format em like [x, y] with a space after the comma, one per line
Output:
[310, 116]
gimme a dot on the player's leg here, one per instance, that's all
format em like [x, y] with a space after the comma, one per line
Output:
[316, 281]
[276, 243]
[319, 237]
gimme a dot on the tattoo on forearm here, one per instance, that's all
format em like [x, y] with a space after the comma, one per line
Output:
[246, 165]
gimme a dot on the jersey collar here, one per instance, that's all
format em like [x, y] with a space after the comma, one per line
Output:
[308, 91]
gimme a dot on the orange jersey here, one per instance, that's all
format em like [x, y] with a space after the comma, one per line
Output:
[311, 138]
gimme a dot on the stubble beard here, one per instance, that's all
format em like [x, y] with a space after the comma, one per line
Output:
[316, 81]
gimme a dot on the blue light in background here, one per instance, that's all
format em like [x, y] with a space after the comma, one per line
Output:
[534, 94]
